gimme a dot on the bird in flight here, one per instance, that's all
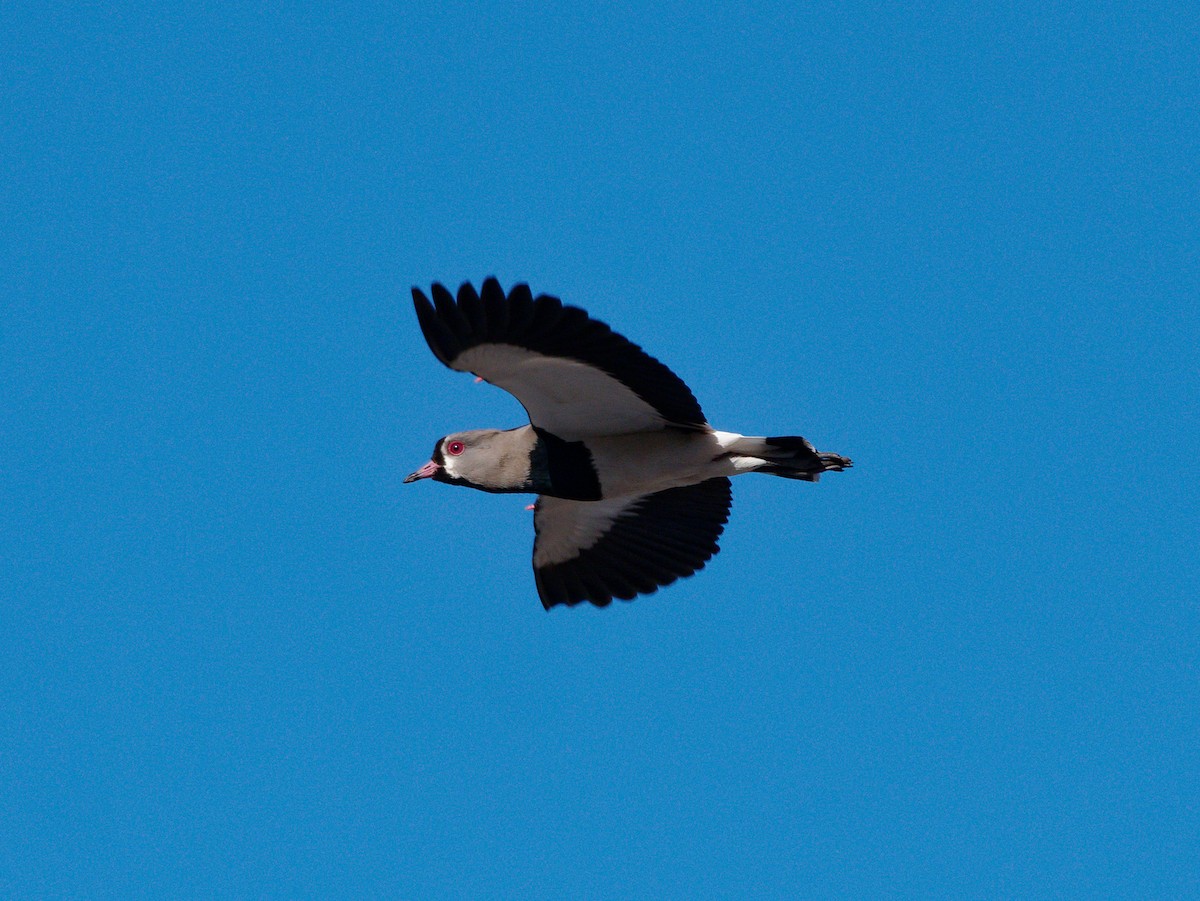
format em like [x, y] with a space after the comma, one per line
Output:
[632, 482]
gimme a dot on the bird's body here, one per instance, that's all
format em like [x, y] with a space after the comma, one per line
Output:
[633, 483]
[646, 462]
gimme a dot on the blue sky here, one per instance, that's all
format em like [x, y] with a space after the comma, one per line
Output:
[239, 658]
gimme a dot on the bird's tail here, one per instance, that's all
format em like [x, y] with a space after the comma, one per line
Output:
[789, 456]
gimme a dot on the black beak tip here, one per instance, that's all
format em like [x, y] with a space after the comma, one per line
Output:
[428, 471]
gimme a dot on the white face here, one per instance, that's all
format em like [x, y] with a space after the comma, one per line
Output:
[452, 458]
[452, 449]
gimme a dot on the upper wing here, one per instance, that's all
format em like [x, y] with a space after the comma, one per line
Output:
[574, 376]
[622, 547]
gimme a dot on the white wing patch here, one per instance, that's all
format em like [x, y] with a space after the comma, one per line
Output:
[567, 528]
[571, 399]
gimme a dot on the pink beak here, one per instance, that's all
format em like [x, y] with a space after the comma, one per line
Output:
[425, 472]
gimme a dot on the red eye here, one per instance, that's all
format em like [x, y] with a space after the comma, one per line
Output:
[454, 448]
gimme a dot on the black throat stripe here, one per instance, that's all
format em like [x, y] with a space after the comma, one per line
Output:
[564, 468]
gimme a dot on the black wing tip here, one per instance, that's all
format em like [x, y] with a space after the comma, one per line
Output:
[566, 600]
[702, 511]
[489, 283]
[455, 322]
[438, 335]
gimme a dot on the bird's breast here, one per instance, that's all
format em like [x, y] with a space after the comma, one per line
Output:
[563, 469]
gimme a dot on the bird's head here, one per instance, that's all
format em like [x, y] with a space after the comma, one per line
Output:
[488, 459]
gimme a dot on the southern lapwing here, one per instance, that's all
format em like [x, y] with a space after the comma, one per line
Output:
[633, 482]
